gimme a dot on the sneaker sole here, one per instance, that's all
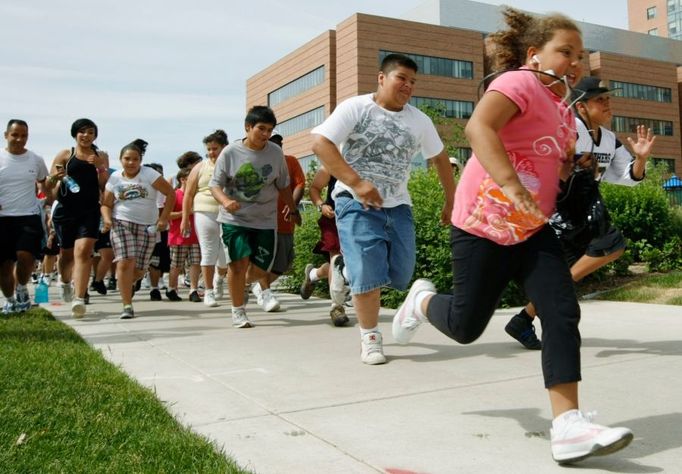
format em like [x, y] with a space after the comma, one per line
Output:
[339, 317]
[395, 327]
[600, 450]
[245, 324]
[374, 359]
[211, 305]
[78, 310]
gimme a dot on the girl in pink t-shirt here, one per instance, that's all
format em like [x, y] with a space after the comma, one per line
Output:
[521, 133]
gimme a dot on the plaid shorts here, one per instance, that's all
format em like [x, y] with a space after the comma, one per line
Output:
[180, 253]
[131, 240]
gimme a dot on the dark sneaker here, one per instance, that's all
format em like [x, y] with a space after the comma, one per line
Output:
[194, 297]
[338, 315]
[111, 284]
[308, 285]
[99, 287]
[155, 295]
[138, 285]
[86, 298]
[172, 295]
[521, 328]
[127, 312]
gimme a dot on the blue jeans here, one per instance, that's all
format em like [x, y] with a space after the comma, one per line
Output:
[378, 246]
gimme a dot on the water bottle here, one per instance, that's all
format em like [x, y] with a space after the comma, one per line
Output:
[71, 184]
[187, 234]
[151, 230]
[42, 292]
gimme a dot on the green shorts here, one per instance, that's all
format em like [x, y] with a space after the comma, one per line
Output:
[257, 244]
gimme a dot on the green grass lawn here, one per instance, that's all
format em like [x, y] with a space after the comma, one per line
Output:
[663, 288]
[64, 408]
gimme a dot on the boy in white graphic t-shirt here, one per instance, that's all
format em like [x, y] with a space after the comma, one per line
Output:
[378, 135]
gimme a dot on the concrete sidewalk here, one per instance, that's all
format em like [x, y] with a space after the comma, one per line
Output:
[291, 395]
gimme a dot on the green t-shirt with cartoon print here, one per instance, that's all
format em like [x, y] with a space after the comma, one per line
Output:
[254, 178]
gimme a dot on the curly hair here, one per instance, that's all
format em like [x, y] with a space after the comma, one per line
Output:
[506, 49]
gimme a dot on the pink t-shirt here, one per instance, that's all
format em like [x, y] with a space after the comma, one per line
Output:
[174, 235]
[536, 139]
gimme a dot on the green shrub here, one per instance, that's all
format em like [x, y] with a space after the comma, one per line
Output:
[664, 259]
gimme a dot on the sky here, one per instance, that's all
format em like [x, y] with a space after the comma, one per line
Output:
[170, 71]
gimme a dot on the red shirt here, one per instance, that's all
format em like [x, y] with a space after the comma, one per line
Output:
[296, 179]
[174, 235]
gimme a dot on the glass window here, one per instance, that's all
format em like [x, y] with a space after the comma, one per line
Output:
[650, 13]
[669, 163]
[448, 108]
[642, 91]
[629, 125]
[301, 122]
[433, 66]
[307, 161]
[297, 86]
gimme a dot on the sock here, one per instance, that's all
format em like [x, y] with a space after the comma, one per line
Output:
[418, 300]
[20, 287]
[564, 417]
[313, 275]
[364, 331]
[190, 290]
[153, 288]
[235, 308]
[129, 305]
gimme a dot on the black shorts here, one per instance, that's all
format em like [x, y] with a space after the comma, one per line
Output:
[103, 241]
[51, 246]
[161, 255]
[607, 244]
[20, 233]
[69, 229]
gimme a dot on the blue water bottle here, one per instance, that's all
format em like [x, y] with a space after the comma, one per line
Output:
[71, 184]
[42, 292]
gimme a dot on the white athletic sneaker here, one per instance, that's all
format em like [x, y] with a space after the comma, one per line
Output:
[575, 437]
[258, 293]
[338, 286]
[239, 319]
[78, 308]
[372, 349]
[209, 299]
[219, 287]
[270, 302]
[66, 292]
[406, 321]
[23, 300]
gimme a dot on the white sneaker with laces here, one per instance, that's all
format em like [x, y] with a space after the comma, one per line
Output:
[78, 308]
[209, 299]
[406, 321]
[239, 319]
[574, 437]
[270, 302]
[66, 292]
[10, 305]
[23, 300]
[372, 349]
[219, 287]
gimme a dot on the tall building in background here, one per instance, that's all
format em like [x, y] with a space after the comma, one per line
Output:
[446, 39]
[656, 17]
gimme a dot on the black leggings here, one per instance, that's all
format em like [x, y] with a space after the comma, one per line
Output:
[481, 269]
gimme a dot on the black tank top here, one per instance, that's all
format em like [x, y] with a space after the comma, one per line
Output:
[330, 188]
[87, 199]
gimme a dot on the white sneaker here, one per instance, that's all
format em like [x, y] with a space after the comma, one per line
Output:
[269, 302]
[338, 286]
[66, 292]
[575, 437]
[209, 299]
[219, 287]
[406, 321]
[239, 319]
[78, 308]
[372, 349]
[258, 293]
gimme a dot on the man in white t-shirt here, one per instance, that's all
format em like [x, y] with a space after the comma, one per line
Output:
[368, 144]
[20, 218]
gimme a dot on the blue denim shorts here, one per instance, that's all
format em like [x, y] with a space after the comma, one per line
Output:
[378, 246]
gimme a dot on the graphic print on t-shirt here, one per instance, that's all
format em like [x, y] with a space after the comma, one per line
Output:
[128, 192]
[380, 150]
[248, 181]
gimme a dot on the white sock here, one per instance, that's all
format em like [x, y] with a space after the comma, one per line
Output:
[235, 308]
[364, 331]
[154, 288]
[20, 287]
[313, 275]
[418, 300]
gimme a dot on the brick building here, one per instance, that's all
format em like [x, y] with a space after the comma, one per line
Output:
[446, 38]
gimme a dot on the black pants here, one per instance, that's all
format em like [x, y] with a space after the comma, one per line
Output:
[481, 271]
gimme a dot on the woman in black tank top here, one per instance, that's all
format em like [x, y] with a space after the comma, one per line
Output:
[76, 216]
